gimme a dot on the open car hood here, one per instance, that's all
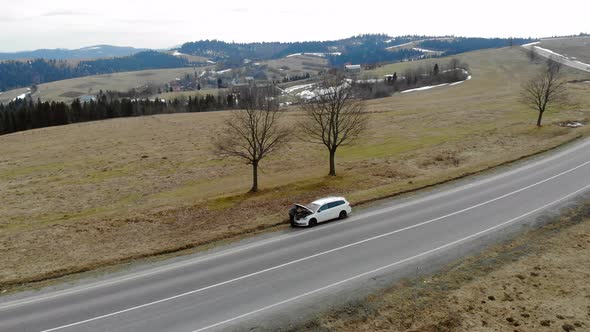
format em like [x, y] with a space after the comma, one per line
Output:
[304, 207]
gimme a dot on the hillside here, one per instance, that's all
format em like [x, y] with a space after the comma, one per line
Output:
[108, 191]
[366, 49]
[68, 90]
[90, 52]
[26, 73]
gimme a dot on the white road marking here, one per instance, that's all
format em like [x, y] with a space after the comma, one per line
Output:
[279, 238]
[325, 252]
[389, 265]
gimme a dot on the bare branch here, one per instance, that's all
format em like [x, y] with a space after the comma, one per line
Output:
[334, 116]
[253, 133]
[545, 91]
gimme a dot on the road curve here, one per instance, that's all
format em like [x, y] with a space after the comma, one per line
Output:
[546, 53]
[268, 280]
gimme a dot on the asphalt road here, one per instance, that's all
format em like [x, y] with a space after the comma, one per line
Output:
[289, 273]
[558, 57]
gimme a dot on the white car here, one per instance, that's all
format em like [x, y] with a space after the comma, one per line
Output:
[319, 211]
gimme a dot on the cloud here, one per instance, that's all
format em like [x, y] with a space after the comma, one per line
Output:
[239, 10]
[65, 12]
[289, 12]
[156, 20]
[6, 19]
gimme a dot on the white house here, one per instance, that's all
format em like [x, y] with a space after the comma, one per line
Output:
[353, 68]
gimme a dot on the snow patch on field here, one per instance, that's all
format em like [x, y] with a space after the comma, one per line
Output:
[299, 87]
[530, 44]
[22, 96]
[423, 50]
[400, 45]
[371, 80]
[315, 54]
[176, 53]
[425, 88]
[550, 52]
[314, 93]
[224, 71]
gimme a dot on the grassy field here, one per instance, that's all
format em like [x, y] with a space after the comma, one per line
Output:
[64, 90]
[571, 47]
[299, 64]
[87, 195]
[536, 282]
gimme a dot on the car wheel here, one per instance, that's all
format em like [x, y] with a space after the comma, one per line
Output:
[313, 223]
[343, 215]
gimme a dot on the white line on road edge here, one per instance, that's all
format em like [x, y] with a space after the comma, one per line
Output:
[279, 238]
[318, 254]
[389, 265]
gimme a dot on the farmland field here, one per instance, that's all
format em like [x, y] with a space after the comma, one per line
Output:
[67, 90]
[92, 194]
[299, 64]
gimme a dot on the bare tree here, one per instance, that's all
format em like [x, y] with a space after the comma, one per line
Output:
[454, 63]
[545, 90]
[254, 132]
[334, 116]
[532, 54]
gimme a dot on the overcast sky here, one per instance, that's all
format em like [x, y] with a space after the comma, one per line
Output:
[34, 24]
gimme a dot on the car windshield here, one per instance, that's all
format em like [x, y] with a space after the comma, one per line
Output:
[313, 207]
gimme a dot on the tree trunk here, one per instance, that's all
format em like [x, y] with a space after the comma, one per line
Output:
[332, 163]
[539, 119]
[254, 177]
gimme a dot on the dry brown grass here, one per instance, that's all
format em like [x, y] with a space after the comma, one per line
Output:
[536, 282]
[299, 64]
[92, 194]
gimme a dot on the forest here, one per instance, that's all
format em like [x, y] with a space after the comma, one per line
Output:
[26, 114]
[18, 74]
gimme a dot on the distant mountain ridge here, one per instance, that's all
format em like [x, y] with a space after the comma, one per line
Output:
[90, 52]
[44, 66]
[361, 49]
[15, 74]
